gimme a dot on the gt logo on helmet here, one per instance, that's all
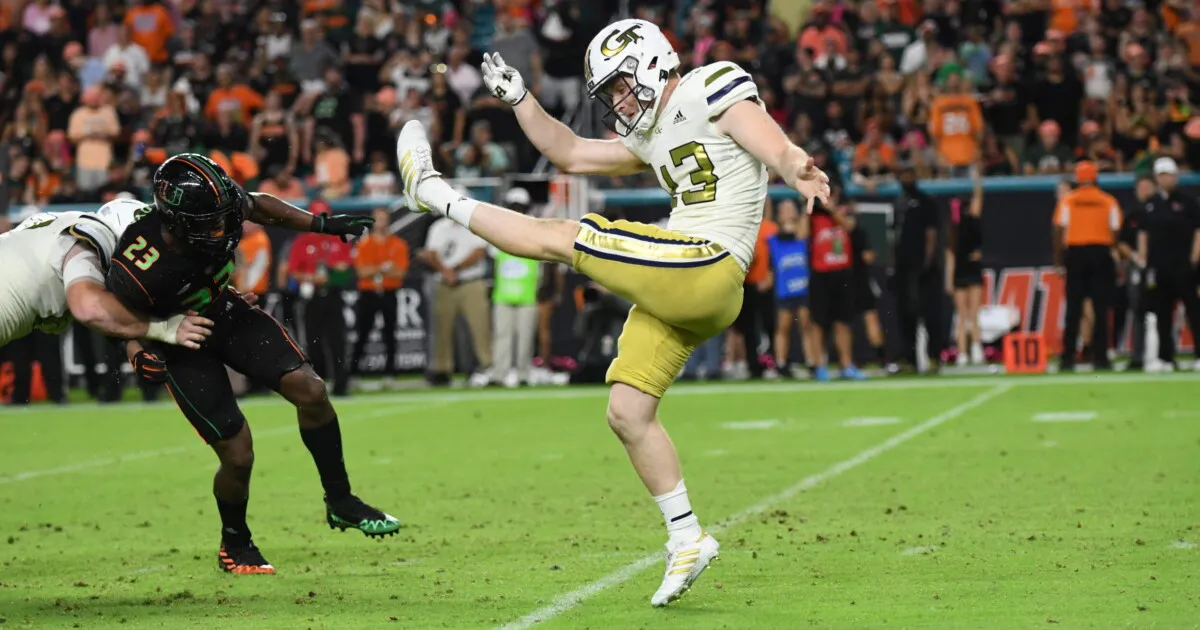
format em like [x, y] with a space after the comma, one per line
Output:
[609, 47]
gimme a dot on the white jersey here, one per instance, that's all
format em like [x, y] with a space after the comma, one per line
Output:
[32, 293]
[717, 188]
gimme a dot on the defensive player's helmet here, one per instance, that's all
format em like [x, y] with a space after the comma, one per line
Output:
[629, 59]
[203, 207]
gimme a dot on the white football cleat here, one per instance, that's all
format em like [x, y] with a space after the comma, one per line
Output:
[685, 562]
[416, 162]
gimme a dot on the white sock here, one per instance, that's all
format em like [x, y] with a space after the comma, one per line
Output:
[677, 511]
[437, 194]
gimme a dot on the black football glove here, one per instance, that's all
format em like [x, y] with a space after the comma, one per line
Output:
[149, 367]
[343, 225]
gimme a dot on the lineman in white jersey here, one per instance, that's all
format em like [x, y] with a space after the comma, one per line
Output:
[52, 270]
[710, 142]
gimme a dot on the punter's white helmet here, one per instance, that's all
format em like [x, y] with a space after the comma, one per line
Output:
[637, 53]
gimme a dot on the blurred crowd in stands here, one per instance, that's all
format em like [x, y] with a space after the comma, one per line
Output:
[305, 95]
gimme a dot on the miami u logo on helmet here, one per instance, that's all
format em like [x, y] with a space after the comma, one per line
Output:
[617, 41]
[170, 193]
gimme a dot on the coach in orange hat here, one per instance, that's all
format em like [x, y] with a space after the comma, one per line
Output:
[1086, 223]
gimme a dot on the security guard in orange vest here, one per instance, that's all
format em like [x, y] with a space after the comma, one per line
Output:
[1087, 220]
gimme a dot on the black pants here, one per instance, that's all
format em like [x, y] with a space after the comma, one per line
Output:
[244, 338]
[325, 334]
[1129, 308]
[45, 349]
[369, 304]
[919, 297]
[751, 322]
[1091, 274]
[1174, 284]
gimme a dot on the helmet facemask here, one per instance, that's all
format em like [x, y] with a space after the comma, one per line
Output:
[217, 234]
[214, 233]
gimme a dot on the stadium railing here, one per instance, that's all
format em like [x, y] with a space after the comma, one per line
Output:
[644, 196]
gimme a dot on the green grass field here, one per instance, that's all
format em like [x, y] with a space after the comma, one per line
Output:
[904, 503]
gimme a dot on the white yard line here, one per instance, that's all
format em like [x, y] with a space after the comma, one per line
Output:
[751, 425]
[573, 599]
[715, 389]
[1065, 416]
[91, 464]
[870, 422]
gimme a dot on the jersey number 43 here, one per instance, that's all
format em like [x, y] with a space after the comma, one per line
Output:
[702, 175]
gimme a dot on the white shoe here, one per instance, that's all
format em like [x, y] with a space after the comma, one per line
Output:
[416, 162]
[977, 353]
[482, 378]
[685, 562]
[511, 380]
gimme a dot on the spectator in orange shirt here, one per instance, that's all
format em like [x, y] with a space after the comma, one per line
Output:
[230, 95]
[150, 27]
[874, 157]
[381, 262]
[1188, 33]
[1065, 14]
[758, 304]
[819, 33]
[42, 183]
[253, 260]
[956, 125]
[280, 183]
[331, 166]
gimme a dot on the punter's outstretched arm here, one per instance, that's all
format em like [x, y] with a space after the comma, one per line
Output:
[267, 209]
[92, 305]
[753, 128]
[569, 152]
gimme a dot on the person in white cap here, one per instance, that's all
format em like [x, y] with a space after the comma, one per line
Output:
[1169, 243]
[514, 306]
[708, 138]
[54, 266]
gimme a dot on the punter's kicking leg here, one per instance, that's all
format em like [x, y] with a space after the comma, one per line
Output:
[685, 290]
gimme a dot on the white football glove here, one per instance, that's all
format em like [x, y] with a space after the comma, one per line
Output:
[502, 80]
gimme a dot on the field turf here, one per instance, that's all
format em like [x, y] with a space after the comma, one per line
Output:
[1059, 501]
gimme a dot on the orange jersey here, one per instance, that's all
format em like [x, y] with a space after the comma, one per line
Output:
[760, 265]
[1088, 216]
[955, 122]
[1064, 14]
[238, 97]
[375, 252]
[253, 263]
[151, 28]
[887, 154]
[1189, 33]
